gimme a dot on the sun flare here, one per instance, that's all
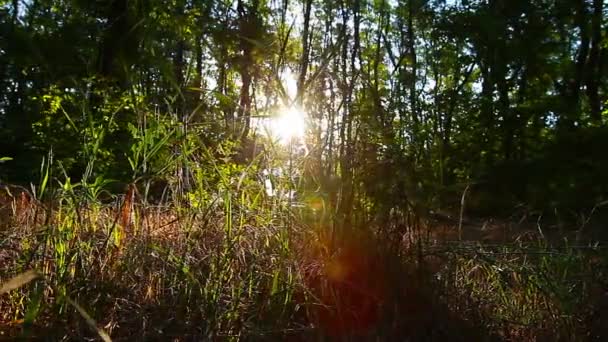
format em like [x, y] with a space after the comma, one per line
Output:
[288, 125]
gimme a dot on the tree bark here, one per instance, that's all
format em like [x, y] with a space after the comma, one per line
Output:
[411, 37]
[593, 63]
[572, 96]
[304, 59]
[115, 44]
[247, 29]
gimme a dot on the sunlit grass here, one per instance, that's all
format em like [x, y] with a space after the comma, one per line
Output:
[245, 275]
[227, 260]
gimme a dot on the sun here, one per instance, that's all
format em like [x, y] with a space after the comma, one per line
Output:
[288, 125]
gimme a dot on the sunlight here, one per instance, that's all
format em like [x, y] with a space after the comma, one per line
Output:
[288, 125]
[290, 85]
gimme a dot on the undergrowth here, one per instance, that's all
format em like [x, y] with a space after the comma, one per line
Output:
[231, 270]
[216, 255]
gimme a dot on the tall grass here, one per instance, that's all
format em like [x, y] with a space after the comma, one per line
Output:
[528, 291]
[213, 259]
[216, 257]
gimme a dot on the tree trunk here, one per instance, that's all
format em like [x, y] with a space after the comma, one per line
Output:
[411, 37]
[593, 63]
[247, 28]
[572, 98]
[114, 44]
[304, 59]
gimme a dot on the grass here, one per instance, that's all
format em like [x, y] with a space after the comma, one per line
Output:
[530, 291]
[236, 271]
[219, 259]
[162, 271]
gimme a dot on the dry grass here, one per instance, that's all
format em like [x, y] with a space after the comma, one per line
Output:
[231, 271]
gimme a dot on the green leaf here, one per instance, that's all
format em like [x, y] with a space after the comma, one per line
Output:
[275, 283]
[33, 308]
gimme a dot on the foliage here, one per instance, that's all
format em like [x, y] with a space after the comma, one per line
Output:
[137, 129]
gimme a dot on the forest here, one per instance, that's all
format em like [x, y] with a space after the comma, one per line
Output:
[304, 170]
